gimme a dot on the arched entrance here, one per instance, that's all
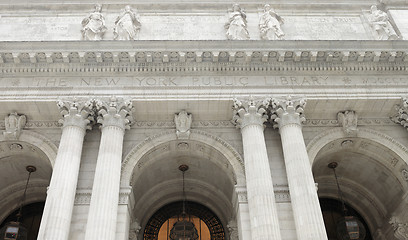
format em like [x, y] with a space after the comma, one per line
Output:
[31, 149]
[369, 174]
[214, 170]
[208, 225]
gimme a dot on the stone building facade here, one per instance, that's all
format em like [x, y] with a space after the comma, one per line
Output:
[108, 100]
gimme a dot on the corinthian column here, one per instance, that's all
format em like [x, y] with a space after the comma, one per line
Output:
[115, 117]
[287, 114]
[250, 117]
[56, 220]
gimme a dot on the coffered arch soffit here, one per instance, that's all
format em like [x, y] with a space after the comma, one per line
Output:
[134, 159]
[31, 148]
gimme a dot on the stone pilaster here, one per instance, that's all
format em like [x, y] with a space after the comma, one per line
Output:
[56, 220]
[115, 117]
[287, 114]
[250, 117]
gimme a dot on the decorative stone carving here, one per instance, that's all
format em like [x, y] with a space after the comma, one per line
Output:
[232, 229]
[270, 24]
[93, 26]
[134, 230]
[400, 229]
[402, 113]
[183, 122]
[77, 113]
[380, 22]
[287, 111]
[348, 119]
[237, 24]
[248, 112]
[127, 25]
[404, 173]
[115, 112]
[14, 124]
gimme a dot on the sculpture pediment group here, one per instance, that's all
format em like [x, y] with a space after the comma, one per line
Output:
[128, 24]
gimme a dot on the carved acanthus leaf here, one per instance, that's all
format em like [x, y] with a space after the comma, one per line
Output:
[251, 111]
[77, 113]
[115, 112]
[287, 111]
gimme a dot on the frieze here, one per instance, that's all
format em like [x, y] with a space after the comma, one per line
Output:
[201, 81]
[215, 124]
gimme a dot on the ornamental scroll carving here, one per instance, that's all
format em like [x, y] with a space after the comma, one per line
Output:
[127, 25]
[236, 27]
[348, 120]
[400, 229]
[93, 26]
[14, 124]
[183, 122]
[270, 24]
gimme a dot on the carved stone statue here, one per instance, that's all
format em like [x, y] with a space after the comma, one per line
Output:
[270, 24]
[348, 119]
[127, 25]
[183, 124]
[400, 229]
[14, 124]
[93, 26]
[237, 24]
[380, 22]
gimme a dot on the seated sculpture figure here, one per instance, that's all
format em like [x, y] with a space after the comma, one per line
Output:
[380, 22]
[93, 26]
[237, 24]
[127, 25]
[270, 24]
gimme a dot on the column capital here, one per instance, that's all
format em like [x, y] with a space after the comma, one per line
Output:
[250, 112]
[401, 117]
[114, 112]
[77, 113]
[287, 111]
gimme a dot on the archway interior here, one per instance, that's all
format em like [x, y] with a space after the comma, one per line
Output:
[366, 174]
[206, 222]
[157, 181]
[333, 212]
[30, 219]
[15, 156]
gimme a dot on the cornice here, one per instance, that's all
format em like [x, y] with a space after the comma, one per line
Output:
[25, 58]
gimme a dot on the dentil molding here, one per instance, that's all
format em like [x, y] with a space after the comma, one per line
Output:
[184, 56]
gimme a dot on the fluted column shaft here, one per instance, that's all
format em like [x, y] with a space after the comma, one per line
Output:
[261, 197]
[56, 220]
[305, 202]
[103, 209]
